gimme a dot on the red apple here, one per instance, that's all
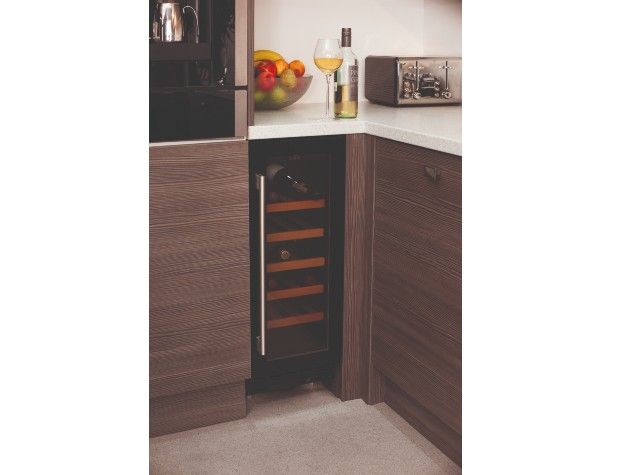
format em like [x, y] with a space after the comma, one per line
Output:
[265, 81]
[267, 66]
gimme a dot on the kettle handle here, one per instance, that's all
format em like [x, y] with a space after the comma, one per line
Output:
[196, 20]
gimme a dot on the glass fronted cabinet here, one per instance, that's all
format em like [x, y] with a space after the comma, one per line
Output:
[198, 69]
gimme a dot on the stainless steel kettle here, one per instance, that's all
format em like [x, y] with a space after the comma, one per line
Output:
[168, 22]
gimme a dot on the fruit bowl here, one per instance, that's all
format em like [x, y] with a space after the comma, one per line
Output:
[281, 94]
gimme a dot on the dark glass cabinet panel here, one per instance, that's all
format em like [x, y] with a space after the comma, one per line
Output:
[197, 89]
[193, 113]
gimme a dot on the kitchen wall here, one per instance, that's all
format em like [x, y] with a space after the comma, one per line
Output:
[442, 28]
[385, 27]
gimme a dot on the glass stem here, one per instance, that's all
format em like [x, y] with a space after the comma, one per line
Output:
[328, 76]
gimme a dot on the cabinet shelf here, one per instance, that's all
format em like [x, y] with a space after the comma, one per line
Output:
[295, 205]
[295, 292]
[162, 51]
[295, 320]
[296, 264]
[294, 235]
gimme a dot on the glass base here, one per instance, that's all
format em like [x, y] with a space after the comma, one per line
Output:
[322, 119]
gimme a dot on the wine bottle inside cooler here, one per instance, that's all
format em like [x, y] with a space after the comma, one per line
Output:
[285, 182]
[285, 252]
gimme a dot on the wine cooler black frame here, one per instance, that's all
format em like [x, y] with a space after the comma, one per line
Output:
[286, 372]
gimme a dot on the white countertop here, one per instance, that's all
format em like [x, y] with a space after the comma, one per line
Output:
[438, 128]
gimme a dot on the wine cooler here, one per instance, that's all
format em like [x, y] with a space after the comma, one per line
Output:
[297, 209]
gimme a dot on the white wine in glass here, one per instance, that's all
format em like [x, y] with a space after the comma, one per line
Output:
[328, 65]
[328, 57]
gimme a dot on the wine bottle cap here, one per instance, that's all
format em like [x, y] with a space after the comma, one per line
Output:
[346, 37]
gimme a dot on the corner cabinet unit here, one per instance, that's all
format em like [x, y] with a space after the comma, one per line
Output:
[199, 284]
[416, 288]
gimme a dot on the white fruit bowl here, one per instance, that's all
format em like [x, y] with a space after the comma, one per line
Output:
[281, 96]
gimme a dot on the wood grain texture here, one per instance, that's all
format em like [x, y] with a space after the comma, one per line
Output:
[416, 306]
[194, 409]
[295, 235]
[295, 320]
[381, 79]
[295, 292]
[417, 258]
[425, 422]
[295, 205]
[296, 264]
[353, 376]
[199, 267]
[405, 168]
[421, 384]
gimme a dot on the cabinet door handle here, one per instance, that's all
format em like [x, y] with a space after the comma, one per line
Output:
[261, 185]
[433, 172]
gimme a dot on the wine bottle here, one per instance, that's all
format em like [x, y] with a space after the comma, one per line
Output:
[282, 181]
[347, 80]
[284, 253]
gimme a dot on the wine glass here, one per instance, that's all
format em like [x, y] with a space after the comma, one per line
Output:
[328, 58]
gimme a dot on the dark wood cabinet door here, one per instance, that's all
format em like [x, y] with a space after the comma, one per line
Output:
[199, 267]
[416, 327]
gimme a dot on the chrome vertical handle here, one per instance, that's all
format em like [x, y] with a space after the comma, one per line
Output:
[260, 184]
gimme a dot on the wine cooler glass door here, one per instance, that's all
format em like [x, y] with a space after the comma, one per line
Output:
[294, 253]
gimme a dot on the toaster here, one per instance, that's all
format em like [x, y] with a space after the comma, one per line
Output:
[413, 81]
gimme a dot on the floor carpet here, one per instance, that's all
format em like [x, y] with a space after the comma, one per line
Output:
[303, 431]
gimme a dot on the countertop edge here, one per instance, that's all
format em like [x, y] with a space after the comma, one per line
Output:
[258, 132]
[431, 139]
[412, 137]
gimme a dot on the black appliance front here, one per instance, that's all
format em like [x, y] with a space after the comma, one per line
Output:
[194, 92]
[193, 114]
[297, 237]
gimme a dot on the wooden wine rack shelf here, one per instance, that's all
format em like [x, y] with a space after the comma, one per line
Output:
[295, 205]
[296, 264]
[293, 235]
[295, 292]
[295, 320]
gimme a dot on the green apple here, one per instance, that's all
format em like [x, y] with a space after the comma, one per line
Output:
[259, 97]
[278, 95]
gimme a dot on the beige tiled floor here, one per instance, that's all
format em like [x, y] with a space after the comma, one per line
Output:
[304, 431]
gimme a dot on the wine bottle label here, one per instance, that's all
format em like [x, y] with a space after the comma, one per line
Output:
[353, 82]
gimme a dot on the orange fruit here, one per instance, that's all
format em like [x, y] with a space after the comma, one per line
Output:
[297, 67]
[281, 66]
